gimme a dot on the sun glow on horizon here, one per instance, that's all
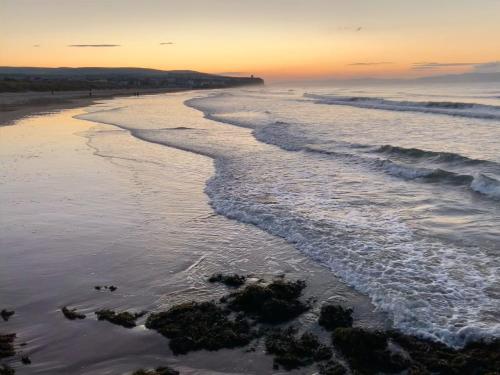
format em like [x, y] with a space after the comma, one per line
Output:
[275, 39]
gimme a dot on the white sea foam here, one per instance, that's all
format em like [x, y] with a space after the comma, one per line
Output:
[342, 213]
[486, 185]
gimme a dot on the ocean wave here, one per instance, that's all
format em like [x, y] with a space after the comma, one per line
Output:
[429, 288]
[434, 156]
[481, 183]
[436, 175]
[288, 137]
[450, 278]
[472, 110]
[487, 186]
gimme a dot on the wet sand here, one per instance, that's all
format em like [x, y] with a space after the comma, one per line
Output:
[14, 106]
[86, 204]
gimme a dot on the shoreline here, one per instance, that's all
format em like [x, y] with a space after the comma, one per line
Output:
[167, 291]
[160, 252]
[15, 106]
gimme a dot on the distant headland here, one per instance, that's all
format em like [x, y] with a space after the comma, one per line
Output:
[19, 79]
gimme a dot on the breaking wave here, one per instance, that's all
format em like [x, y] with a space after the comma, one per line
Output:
[472, 110]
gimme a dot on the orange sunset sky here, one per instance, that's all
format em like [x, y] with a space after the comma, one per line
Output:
[276, 39]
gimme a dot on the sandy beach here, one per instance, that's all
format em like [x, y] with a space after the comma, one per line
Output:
[16, 105]
[184, 193]
[143, 194]
[87, 204]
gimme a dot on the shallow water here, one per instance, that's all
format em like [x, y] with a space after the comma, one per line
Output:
[401, 203]
[85, 204]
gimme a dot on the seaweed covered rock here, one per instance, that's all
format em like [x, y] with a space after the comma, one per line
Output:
[233, 280]
[367, 352]
[6, 314]
[276, 302]
[72, 314]
[7, 345]
[433, 357]
[292, 351]
[25, 360]
[335, 316]
[111, 288]
[157, 371]
[194, 326]
[331, 368]
[124, 319]
[6, 370]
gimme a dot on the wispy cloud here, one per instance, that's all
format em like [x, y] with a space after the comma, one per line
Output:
[370, 63]
[489, 67]
[94, 45]
[36, 45]
[350, 28]
[166, 43]
[476, 67]
[436, 65]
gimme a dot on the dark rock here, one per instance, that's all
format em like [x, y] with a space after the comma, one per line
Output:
[7, 345]
[432, 357]
[274, 303]
[331, 368]
[26, 360]
[335, 316]
[6, 314]
[367, 351]
[292, 351]
[233, 280]
[72, 314]
[7, 370]
[157, 371]
[111, 288]
[124, 319]
[194, 326]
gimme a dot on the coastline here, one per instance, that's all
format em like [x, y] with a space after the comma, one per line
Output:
[160, 252]
[17, 105]
[176, 212]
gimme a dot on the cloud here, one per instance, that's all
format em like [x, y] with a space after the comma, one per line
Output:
[489, 67]
[166, 43]
[36, 45]
[370, 63]
[350, 28]
[435, 65]
[94, 45]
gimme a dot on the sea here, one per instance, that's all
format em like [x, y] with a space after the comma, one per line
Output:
[395, 189]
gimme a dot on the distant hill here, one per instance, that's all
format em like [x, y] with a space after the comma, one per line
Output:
[87, 78]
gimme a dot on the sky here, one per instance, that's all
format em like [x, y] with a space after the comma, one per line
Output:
[275, 39]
